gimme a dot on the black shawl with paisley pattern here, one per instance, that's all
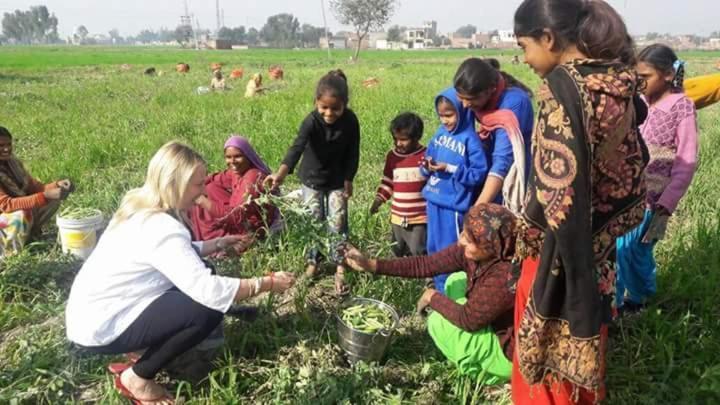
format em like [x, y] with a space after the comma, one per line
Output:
[585, 190]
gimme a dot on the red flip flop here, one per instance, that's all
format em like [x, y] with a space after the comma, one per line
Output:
[129, 395]
[118, 368]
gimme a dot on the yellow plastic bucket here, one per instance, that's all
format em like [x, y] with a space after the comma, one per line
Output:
[79, 236]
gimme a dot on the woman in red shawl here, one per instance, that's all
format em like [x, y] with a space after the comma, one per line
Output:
[229, 207]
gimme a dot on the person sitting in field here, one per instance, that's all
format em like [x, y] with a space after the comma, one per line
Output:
[218, 82]
[254, 86]
[145, 285]
[25, 203]
[472, 324]
[182, 68]
[276, 72]
[228, 208]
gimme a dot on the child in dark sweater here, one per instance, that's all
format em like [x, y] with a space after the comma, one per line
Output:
[329, 143]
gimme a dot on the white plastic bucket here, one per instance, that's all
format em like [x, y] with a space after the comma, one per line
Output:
[79, 236]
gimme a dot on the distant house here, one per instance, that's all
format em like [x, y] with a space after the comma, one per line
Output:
[374, 37]
[336, 42]
[390, 45]
[219, 44]
[415, 38]
[457, 41]
[353, 38]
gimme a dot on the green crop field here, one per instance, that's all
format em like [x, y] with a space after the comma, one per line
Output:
[75, 113]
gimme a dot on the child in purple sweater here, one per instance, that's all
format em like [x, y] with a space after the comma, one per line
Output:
[670, 132]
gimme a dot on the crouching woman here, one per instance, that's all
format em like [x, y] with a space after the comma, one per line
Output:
[472, 323]
[145, 285]
[25, 203]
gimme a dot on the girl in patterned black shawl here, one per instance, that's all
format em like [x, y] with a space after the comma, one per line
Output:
[585, 190]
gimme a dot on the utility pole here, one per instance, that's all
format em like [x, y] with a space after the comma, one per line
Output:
[217, 16]
[327, 38]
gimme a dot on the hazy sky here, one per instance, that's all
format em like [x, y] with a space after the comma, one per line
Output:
[130, 16]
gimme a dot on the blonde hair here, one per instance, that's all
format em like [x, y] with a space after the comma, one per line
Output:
[167, 180]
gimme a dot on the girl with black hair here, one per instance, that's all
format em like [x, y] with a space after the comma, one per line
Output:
[586, 189]
[329, 143]
[670, 132]
[503, 109]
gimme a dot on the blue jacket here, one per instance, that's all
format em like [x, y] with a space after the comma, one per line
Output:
[499, 148]
[462, 150]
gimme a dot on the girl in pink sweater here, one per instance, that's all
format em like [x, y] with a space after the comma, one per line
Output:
[670, 132]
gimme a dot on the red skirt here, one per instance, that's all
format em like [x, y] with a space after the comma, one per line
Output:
[557, 393]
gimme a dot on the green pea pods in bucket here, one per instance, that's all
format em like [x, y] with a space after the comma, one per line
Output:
[365, 328]
[77, 229]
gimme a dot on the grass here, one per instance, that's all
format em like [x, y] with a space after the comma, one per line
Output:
[75, 113]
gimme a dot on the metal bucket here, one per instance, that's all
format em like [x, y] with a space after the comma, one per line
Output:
[359, 345]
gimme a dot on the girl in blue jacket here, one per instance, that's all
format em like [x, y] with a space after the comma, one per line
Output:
[456, 167]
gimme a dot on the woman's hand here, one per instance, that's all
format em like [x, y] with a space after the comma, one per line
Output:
[204, 202]
[348, 190]
[358, 261]
[273, 181]
[424, 300]
[281, 281]
[238, 243]
[54, 193]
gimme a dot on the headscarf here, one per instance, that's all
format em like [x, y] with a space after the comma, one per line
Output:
[492, 228]
[241, 143]
[13, 176]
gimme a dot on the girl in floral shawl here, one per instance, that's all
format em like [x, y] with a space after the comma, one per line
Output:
[585, 191]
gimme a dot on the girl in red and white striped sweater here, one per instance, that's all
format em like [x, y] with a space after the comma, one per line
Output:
[403, 183]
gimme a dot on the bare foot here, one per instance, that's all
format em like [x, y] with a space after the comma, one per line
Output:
[148, 392]
[311, 271]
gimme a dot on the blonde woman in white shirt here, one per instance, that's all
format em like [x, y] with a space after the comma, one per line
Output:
[145, 285]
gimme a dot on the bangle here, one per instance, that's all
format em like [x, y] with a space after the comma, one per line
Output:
[258, 284]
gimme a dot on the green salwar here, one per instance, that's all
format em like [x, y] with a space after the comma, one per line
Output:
[476, 354]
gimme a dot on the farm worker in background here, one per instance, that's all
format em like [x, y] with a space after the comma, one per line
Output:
[182, 68]
[472, 324]
[703, 90]
[586, 189]
[229, 207]
[403, 182]
[670, 132]
[502, 107]
[145, 285]
[217, 82]
[329, 143]
[456, 166]
[276, 72]
[25, 203]
[254, 86]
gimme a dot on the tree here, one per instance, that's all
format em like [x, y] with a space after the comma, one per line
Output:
[115, 36]
[466, 31]
[235, 35]
[183, 34]
[80, 35]
[395, 33]
[253, 36]
[363, 15]
[281, 31]
[310, 35]
[36, 25]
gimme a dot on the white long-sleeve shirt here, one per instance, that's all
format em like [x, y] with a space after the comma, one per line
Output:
[134, 263]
